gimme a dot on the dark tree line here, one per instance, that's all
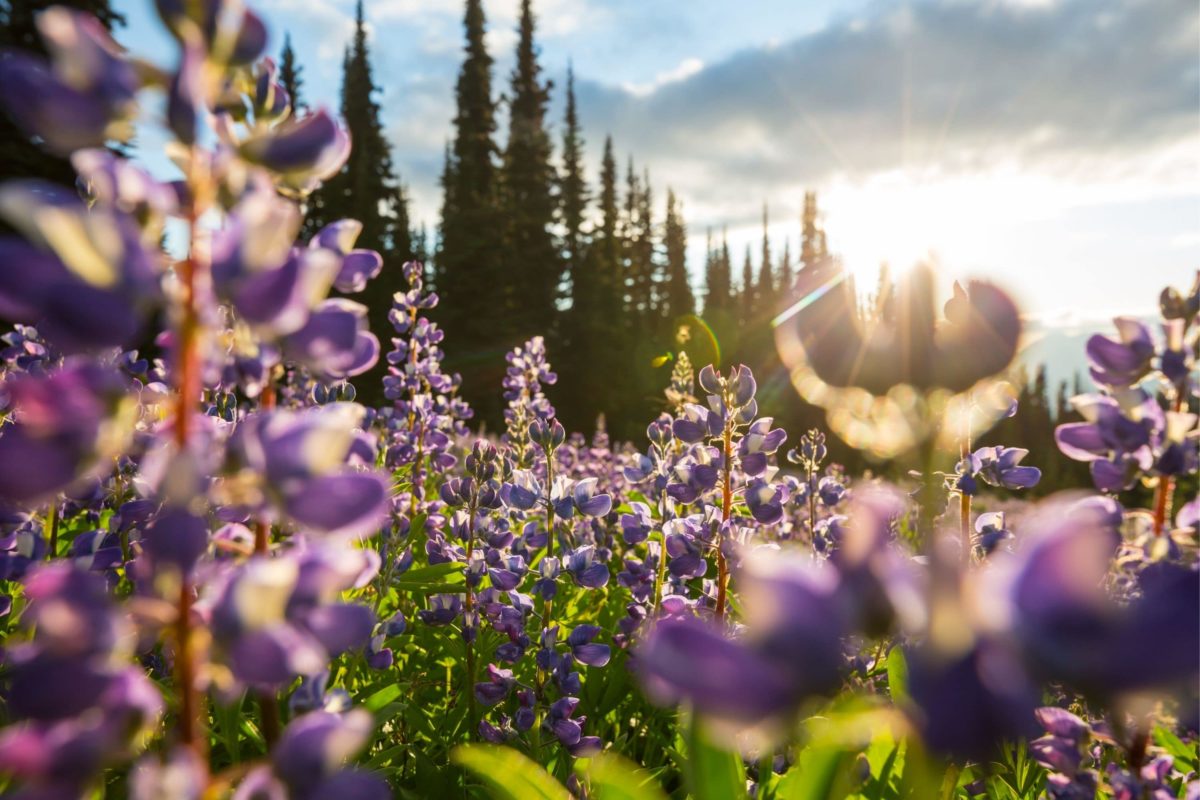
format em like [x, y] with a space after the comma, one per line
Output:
[529, 245]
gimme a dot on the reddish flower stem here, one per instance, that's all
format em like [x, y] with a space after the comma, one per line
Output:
[187, 374]
[726, 508]
[1166, 484]
[267, 702]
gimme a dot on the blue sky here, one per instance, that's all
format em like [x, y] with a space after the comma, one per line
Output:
[1050, 145]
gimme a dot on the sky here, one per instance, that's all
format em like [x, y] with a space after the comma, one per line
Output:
[1051, 146]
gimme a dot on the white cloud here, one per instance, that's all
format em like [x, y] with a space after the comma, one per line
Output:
[684, 70]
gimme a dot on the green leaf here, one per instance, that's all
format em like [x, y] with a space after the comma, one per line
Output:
[821, 773]
[615, 778]
[897, 672]
[713, 773]
[439, 578]
[1186, 758]
[381, 698]
[508, 774]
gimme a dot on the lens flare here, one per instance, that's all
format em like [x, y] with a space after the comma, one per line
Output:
[895, 421]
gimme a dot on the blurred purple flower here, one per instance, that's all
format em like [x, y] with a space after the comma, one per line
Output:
[63, 428]
[83, 276]
[83, 97]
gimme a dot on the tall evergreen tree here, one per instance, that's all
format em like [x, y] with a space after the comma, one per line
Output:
[766, 276]
[637, 242]
[20, 157]
[718, 291]
[367, 189]
[527, 181]
[786, 275]
[600, 314]
[812, 238]
[470, 276]
[573, 192]
[678, 298]
[289, 75]
[748, 299]
[627, 231]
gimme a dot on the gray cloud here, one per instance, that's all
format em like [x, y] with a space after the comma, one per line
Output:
[954, 85]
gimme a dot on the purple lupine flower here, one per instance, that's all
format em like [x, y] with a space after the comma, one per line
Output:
[358, 265]
[1000, 466]
[271, 100]
[694, 474]
[496, 688]
[1115, 438]
[684, 546]
[547, 582]
[585, 570]
[1122, 361]
[314, 694]
[304, 462]
[693, 424]
[584, 650]
[227, 28]
[87, 290]
[334, 342]
[522, 491]
[309, 761]
[185, 94]
[559, 720]
[76, 703]
[765, 500]
[636, 525]
[508, 577]
[273, 619]
[758, 442]
[83, 97]
[175, 539]
[65, 427]
[790, 649]
[589, 501]
[303, 151]
[830, 490]
[443, 609]
[181, 774]
[107, 181]
[968, 702]
[992, 531]
[1073, 631]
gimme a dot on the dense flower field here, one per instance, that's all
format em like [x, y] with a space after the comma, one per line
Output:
[224, 577]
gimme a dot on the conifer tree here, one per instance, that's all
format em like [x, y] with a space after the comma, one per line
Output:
[749, 302]
[607, 242]
[599, 310]
[289, 76]
[628, 229]
[368, 190]
[573, 192]
[679, 300]
[526, 183]
[766, 277]
[475, 301]
[647, 252]
[786, 275]
[812, 238]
